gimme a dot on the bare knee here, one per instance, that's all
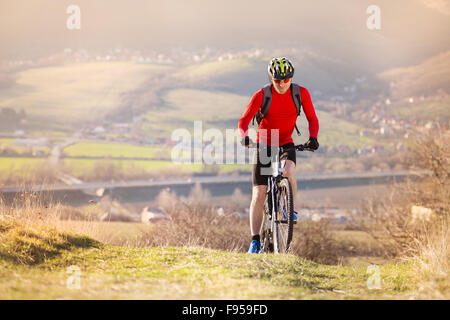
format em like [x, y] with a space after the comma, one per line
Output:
[259, 193]
[289, 169]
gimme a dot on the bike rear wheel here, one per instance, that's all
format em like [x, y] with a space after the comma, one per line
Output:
[283, 218]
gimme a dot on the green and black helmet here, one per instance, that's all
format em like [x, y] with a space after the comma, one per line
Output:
[280, 68]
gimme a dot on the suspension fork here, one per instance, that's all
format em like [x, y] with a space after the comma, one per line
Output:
[274, 203]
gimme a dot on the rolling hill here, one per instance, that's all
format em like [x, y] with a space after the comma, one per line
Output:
[75, 93]
[427, 78]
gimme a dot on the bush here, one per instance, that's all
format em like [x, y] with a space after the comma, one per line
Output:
[194, 221]
[413, 222]
[314, 241]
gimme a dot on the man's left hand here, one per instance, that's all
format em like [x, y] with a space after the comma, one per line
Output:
[312, 143]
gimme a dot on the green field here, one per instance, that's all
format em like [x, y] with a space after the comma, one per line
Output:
[94, 149]
[81, 166]
[19, 163]
[19, 170]
[76, 92]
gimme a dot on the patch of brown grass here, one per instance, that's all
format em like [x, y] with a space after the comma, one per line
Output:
[424, 237]
[196, 221]
[30, 230]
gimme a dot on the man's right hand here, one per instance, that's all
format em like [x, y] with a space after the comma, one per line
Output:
[246, 141]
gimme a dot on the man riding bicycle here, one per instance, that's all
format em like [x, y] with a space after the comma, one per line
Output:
[281, 116]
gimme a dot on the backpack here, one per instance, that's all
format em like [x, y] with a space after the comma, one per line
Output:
[267, 99]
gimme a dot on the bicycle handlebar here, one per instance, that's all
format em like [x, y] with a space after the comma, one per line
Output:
[299, 147]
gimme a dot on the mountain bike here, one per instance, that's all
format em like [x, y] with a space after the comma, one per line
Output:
[278, 225]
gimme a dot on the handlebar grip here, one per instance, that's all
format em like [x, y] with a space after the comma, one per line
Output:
[302, 147]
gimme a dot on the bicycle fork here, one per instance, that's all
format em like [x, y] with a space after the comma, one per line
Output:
[274, 206]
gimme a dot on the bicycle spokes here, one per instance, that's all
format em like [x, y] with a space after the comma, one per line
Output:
[283, 226]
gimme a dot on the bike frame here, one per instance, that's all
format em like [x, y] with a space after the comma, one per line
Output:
[277, 172]
[272, 184]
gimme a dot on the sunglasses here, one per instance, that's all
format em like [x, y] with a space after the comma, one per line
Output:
[279, 81]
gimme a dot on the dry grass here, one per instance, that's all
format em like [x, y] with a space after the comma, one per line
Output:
[314, 241]
[39, 173]
[33, 210]
[195, 221]
[31, 230]
[422, 237]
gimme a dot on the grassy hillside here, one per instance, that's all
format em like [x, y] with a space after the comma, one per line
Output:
[74, 93]
[181, 107]
[223, 110]
[423, 111]
[215, 69]
[34, 263]
[334, 131]
[425, 78]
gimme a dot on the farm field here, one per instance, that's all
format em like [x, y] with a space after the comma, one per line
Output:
[19, 163]
[8, 143]
[95, 149]
[80, 166]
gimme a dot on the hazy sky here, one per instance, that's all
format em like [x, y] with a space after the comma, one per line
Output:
[410, 29]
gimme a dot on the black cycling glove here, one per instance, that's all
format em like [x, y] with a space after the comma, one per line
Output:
[245, 141]
[312, 143]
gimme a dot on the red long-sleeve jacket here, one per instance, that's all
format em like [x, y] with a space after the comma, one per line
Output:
[281, 115]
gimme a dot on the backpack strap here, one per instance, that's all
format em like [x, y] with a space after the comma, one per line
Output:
[267, 99]
[297, 97]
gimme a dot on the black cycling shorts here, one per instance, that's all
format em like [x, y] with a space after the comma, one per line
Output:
[262, 164]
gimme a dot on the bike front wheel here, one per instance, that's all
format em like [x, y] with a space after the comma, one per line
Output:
[283, 218]
[266, 233]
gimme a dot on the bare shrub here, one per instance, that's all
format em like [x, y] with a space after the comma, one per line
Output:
[36, 209]
[27, 174]
[165, 200]
[314, 241]
[197, 223]
[107, 170]
[413, 222]
[238, 201]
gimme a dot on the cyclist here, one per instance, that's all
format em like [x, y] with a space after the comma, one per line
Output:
[281, 116]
